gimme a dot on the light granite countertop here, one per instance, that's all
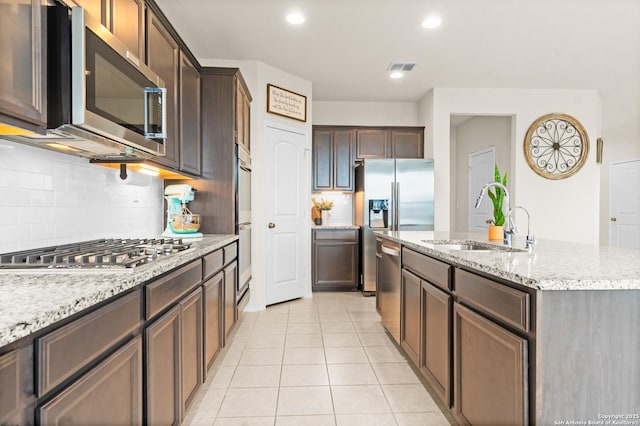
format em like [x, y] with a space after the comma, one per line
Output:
[552, 265]
[346, 226]
[31, 301]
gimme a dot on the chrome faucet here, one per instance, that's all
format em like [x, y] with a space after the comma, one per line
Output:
[531, 241]
[507, 230]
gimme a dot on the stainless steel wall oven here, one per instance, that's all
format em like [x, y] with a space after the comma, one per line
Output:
[243, 218]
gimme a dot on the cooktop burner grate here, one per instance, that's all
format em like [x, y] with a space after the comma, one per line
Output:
[98, 254]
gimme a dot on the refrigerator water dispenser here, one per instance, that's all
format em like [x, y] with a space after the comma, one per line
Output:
[378, 213]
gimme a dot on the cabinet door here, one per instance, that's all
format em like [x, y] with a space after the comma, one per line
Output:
[243, 116]
[343, 150]
[213, 298]
[127, 24]
[335, 265]
[410, 315]
[190, 144]
[372, 143]
[111, 393]
[435, 362]
[17, 398]
[230, 286]
[162, 58]
[322, 160]
[490, 372]
[191, 335]
[23, 70]
[97, 9]
[407, 143]
[163, 369]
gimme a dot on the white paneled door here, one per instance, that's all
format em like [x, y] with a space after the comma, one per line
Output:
[286, 215]
[481, 172]
[624, 220]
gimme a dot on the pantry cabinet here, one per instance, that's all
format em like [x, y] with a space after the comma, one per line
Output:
[23, 71]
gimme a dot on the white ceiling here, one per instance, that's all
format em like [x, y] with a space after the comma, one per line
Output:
[345, 46]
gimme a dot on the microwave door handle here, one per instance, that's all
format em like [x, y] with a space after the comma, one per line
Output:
[163, 107]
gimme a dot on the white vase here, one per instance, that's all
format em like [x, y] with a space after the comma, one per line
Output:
[326, 217]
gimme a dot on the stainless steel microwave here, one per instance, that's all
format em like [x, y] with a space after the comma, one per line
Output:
[103, 102]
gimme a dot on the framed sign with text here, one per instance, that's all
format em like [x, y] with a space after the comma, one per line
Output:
[286, 103]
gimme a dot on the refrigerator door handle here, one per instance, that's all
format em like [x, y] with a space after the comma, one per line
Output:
[397, 206]
[392, 222]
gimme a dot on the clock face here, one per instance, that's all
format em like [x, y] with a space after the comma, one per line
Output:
[556, 146]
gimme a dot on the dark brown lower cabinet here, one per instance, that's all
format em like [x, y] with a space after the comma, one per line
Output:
[213, 297]
[17, 398]
[191, 346]
[163, 369]
[435, 362]
[490, 372]
[335, 259]
[410, 313]
[230, 285]
[110, 393]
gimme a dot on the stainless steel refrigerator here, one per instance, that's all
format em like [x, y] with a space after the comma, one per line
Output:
[393, 195]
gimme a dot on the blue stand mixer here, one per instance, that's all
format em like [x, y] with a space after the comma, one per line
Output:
[181, 223]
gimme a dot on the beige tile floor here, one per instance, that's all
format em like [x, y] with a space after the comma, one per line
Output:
[320, 361]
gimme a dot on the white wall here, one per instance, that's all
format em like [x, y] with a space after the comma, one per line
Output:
[567, 209]
[365, 113]
[49, 198]
[473, 135]
[257, 75]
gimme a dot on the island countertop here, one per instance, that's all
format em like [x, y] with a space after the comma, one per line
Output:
[31, 301]
[551, 265]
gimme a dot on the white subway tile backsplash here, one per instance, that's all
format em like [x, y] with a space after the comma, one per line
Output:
[48, 198]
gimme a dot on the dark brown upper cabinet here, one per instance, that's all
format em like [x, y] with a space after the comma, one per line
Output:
[163, 56]
[333, 157]
[407, 143]
[373, 143]
[23, 71]
[124, 18]
[243, 117]
[190, 143]
[390, 143]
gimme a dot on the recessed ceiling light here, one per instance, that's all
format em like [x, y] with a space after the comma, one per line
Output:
[431, 22]
[295, 18]
[396, 74]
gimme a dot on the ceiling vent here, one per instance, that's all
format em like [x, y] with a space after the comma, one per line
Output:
[401, 66]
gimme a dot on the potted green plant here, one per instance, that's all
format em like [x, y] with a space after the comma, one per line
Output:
[496, 230]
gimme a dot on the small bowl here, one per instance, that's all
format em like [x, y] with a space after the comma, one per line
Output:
[185, 223]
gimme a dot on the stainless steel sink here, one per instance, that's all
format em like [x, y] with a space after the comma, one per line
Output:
[473, 246]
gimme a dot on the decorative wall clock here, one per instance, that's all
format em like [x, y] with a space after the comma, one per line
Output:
[556, 146]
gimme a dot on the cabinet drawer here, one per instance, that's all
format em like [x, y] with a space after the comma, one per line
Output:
[168, 289]
[336, 234]
[502, 302]
[230, 252]
[67, 350]
[213, 262]
[434, 271]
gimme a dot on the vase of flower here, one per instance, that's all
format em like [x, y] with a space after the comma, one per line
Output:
[326, 216]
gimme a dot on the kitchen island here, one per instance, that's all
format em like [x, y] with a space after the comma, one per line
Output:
[125, 346]
[507, 336]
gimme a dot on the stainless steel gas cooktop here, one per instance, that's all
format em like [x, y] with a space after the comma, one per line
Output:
[95, 254]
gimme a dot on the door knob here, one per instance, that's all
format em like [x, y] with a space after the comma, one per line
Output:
[613, 219]
[271, 225]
